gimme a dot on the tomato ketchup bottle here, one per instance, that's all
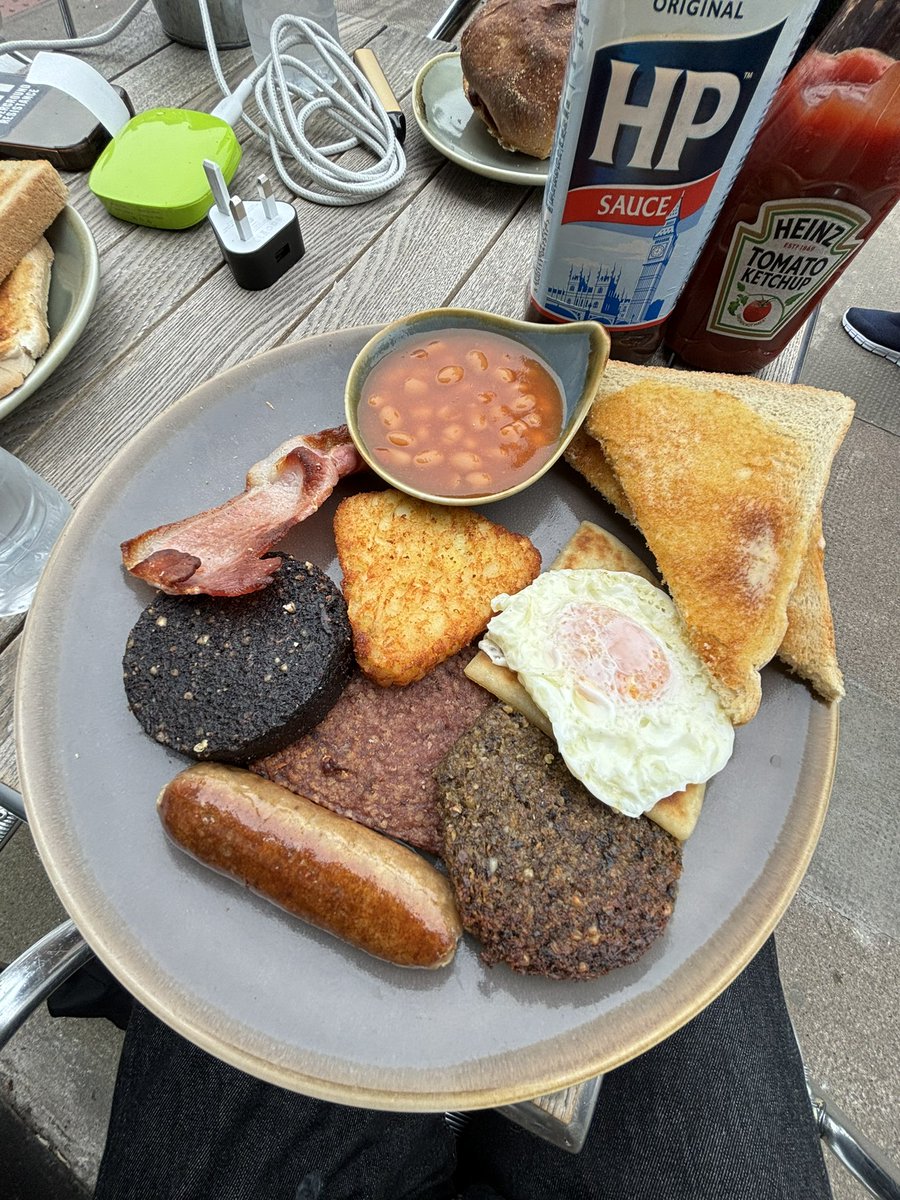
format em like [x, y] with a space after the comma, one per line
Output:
[822, 174]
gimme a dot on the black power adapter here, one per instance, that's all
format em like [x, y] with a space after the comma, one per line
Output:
[259, 239]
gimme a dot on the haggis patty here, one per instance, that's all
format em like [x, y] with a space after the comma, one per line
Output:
[549, 880]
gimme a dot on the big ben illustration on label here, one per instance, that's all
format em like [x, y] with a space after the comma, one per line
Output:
[627, 291]
[643, 305]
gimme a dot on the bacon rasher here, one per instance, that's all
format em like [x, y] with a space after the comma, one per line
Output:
[218, 552]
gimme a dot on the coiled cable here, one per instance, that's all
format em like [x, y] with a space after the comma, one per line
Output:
[289, 94]
[292, 96]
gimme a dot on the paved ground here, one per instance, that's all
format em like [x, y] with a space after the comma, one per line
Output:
[42, 18]
[838, 943]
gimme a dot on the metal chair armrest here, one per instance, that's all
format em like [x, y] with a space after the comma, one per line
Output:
[25, 983]
[12, 802]
[8, 826]
[852, 1148]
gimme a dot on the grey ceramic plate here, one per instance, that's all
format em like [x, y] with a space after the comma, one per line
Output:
[447, 120]
[74, 279]
[246, 981]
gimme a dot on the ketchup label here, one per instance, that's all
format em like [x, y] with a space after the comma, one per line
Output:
[777, 264]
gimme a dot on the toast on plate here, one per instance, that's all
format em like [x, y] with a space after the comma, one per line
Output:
[32, 195]
[24, 334]
[724, 475]
[808, 645]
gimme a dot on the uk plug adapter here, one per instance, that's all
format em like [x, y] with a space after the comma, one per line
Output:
[259, 239]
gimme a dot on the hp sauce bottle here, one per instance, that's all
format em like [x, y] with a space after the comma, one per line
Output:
[660, 103]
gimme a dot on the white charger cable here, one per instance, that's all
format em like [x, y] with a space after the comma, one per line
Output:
[88, 42]
[346, 98]
[341, 94]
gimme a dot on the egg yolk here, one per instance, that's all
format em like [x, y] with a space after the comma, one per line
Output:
[611, 653]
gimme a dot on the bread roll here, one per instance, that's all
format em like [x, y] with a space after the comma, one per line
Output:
[513, 56]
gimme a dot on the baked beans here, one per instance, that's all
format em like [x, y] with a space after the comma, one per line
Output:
[461, 413]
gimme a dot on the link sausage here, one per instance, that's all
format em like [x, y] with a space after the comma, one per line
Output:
[326, 869]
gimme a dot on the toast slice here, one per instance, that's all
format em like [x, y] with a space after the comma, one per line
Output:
[32, 195]
[24, 334]
[808, 645]
[725, 477]
[419, 579]
[590, 546]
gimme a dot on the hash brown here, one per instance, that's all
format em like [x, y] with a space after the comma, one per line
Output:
[419, 579]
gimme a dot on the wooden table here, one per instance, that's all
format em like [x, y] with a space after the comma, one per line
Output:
[169, 314]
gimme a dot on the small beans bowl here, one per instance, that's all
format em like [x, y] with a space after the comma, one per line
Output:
[457, 406]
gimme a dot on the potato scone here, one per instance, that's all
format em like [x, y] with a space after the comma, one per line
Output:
[548, 879]
[419, 579]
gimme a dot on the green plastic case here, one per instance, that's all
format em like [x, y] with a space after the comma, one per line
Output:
[151, 173]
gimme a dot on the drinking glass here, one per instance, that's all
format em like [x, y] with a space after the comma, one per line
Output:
[32, 512]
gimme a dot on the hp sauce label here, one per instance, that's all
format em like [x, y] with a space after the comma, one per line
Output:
[651, 132]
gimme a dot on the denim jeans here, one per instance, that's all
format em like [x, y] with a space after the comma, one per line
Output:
[719, 1111]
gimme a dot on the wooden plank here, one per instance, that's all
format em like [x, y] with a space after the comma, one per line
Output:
[107, 406]
[136, 43]
[500, 280]
[181, 77]
[562, 1118]
[165, 80]
[407, 268]
[142, 279]
[415, 15]
[169, 79]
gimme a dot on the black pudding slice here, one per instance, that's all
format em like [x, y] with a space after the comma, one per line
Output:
[235, 679]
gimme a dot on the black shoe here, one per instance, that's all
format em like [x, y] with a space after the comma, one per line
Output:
[875, 330]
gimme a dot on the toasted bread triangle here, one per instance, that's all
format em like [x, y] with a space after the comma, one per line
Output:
[32, 194]
[24, 333]
[808, 646]
[724, 476]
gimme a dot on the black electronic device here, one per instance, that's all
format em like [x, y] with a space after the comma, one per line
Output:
[37, 121]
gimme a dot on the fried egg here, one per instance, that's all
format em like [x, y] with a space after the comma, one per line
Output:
[602, 654]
